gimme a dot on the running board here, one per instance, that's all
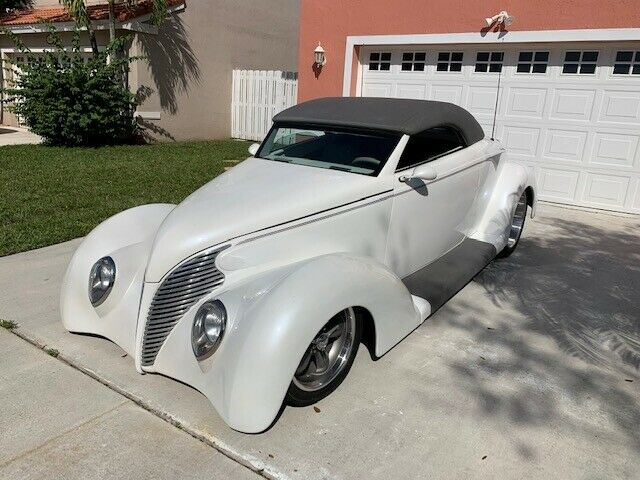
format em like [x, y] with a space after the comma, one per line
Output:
[439, 281]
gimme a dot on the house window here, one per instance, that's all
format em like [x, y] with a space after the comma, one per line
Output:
[533, 62]
[583, 63]
[627, 63]
[429, 145]
[413, 61]
[380, 61]
[449, 62]
[489, 62]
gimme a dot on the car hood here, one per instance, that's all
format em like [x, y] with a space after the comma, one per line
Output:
[253, 196]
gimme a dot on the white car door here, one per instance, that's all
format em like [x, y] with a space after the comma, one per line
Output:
[428, 216]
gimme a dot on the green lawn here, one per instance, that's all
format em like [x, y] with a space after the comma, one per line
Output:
[49, 195]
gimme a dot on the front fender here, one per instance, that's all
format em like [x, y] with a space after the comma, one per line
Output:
[127, 238]
[272, 320]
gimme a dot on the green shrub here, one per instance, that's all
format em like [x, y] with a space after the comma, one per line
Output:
[72, 98]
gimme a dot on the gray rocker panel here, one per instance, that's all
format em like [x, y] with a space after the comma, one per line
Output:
[442, 279]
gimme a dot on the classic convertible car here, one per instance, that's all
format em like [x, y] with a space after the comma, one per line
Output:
[355, 219]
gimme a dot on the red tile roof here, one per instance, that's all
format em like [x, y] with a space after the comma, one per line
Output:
[96, 13]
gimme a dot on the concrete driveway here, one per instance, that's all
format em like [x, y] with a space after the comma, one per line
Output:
[531, 371]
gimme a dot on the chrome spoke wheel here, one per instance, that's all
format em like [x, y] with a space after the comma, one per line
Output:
[328, 353]
[517, 222]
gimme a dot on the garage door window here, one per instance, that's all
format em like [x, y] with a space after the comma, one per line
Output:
[380, 61]
[450, 61]
[429, 145]
[413, 61]
[583, 63]
[533, 62]
[489, 62]
[627, 63]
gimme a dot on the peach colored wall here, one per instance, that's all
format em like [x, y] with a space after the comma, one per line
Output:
[331, 21]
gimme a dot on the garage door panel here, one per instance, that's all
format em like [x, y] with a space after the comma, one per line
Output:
[521, 142]
[621, 107]
[487, 127]
[635, 200]
[526, 102]
[378, 90]
[565, 145]
[605, 190]
[446, 93]
[558, 185]
[573, 104]
[481, 100]
[410, 90]
[614, 150]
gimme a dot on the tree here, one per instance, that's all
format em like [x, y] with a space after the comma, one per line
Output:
[158, 14]
[78, 11]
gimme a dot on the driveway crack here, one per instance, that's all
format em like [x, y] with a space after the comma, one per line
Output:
[249, 462]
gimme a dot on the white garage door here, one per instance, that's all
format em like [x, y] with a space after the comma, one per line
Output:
[569, 111]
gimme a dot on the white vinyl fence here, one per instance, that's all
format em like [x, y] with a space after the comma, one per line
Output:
[257, 96]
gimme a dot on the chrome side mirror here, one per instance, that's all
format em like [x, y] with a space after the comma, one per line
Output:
[253, 149]
[422, 172]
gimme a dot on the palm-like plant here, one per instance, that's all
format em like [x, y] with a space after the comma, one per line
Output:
[159, 12]
[78, 10]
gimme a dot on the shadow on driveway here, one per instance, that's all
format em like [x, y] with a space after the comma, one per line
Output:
[576, 289]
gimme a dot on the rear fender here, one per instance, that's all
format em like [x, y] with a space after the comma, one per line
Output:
[498, 201]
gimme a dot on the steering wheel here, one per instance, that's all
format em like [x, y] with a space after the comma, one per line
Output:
[366, 162]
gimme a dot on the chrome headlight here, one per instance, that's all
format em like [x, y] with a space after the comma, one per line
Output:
[101, 280]
[208, 328]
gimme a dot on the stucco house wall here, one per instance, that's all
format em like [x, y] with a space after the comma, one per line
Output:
[190, 61]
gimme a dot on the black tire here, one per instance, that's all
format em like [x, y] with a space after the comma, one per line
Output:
[513, 243]
[299, 397]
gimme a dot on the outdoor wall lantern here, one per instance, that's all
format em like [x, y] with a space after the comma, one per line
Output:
[319, 56]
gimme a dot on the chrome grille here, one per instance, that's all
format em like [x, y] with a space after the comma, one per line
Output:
[187, 284]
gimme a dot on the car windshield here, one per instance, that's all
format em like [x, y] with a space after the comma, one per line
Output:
[348, 150]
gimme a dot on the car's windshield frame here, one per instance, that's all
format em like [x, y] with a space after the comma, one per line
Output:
[394, 136]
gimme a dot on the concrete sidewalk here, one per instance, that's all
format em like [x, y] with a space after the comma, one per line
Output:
[56, 422]
[17, 136]
[531, 371]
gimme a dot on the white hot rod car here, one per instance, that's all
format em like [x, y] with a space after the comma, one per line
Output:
[355, 218]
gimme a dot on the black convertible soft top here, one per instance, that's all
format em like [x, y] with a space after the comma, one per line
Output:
[387, 114]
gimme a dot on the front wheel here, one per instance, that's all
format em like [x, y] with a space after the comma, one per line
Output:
[327, 360]
[517, 225]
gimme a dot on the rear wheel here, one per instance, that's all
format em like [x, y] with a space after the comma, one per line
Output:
[327, 360]
[517, 225]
